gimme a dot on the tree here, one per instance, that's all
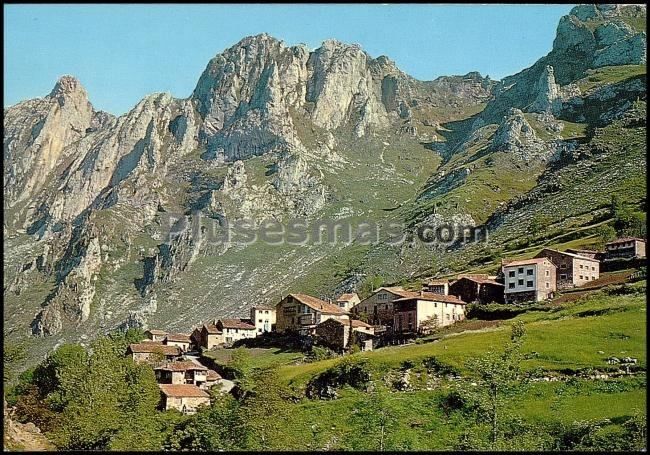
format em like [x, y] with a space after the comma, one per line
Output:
[606, 233]
[241, 368]
[13, 354]
[375, 421]
[498, 373]
[262, 409]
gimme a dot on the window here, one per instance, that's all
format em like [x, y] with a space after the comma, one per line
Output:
[563, 276]
[511, 285]
[580, 265]
[529, 271]
[511, 274]
[529, 284]
[581, 277]
[448, 317]
[593, 277]
[435, 304]
[548, 273]
[259, 330]
[446, 305]
[520, 282]
[593, 268]
[563, 266]
[266, 311]
[521, 270]
[547, 285]
[259, 320]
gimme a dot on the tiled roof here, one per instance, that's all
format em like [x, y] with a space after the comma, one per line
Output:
[480, 280]
[435, 282]
[181, 365]
[244, 324]
[625, 239]
[211, 329]
[566, 253]
[525, 262]
[213, 375]
[318, 304]
[180, 337]
[355, 323]
[397, 290]
[156, 332]
[182, 391]
[432, 297]
[150, 348]
[347, 297]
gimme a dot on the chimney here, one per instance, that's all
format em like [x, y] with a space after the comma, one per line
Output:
[421, 293]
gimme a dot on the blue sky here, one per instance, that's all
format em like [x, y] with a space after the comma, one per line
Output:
[121, 53]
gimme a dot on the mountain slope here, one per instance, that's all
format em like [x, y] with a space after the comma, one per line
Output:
[273, 132]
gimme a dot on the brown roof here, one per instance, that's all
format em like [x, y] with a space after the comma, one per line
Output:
[156, 332]
[347, 297]
[211, 329]
[356, 323]
[480, 280]
[505, 262]
[434, 282]
[397, 290]
[263, 307]
[318, 304]
[213, 375]
[150, 348]
[566, 253]
[182, 337]
[181, 365]
[182, 391]
[432, 297]
[624, 239]
[237, 324]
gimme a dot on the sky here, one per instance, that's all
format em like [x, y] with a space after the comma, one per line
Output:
[121, 53]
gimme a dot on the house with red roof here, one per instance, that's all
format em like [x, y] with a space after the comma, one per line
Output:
[301, 313]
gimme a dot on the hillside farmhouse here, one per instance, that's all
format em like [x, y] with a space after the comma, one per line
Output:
[181, 340]
[155, 335]
[426, 311]
[236, 329]
[263, 318]
[529, 280]
[572, 269]
[347, 301]
[437, 287]
[341, 335]
[471, 289]
[625, 248]
[207, 337]
[152, 352]
[186, 398]
[181, 372]
[378, 308]
[301, 313]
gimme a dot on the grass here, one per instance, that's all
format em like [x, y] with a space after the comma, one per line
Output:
[609, 75]
[567, 338]
[260, 357]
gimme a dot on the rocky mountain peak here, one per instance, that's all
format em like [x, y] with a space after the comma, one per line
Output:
[65, 85]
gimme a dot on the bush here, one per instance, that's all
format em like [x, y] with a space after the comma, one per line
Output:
[318, 353]
[353, 372]
[434, 365]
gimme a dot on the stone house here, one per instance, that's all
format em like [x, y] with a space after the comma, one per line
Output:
[181, 340]
[181, 372]
[207, 337]
[212, 378]
[625, 248]
[152, 352]
[301, 313]
[186, 398]
[347, 301]
[477, 290]
[425, 311]
[236, 329]
[377, 309]
[263, 318]
[572, 269]
[340, 334]
[155, 335]
[529, 280]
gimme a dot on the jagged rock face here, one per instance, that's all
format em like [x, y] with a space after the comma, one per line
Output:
[293, 180]
[37, 133]
[548, 93]
[516, 136]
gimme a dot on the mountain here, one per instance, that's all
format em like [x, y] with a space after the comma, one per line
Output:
[274, 133]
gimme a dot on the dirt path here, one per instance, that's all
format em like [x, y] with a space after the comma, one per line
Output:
[25, 437]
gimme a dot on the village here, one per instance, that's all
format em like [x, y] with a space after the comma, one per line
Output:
[389, 315]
